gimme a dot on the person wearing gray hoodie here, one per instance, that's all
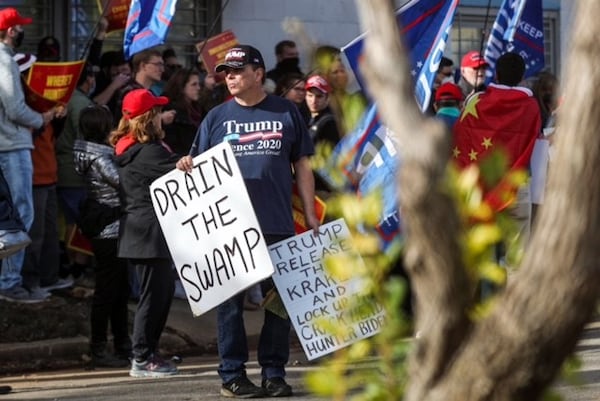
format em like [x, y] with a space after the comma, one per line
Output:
[17, 120]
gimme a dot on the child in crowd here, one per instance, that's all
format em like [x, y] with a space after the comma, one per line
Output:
[99, 219]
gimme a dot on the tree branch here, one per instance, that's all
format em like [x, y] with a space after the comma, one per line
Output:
[517, 351]
[442, 288]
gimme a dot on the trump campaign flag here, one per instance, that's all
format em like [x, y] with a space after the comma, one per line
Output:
[364, 161]
[425, 25]
[519, 28]
[367, 157]
[148, 23]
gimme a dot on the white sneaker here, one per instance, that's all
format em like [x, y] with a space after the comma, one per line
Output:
[19, 294]
[39, 292]
[59, 284]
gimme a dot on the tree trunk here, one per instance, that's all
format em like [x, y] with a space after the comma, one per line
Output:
[517, 351]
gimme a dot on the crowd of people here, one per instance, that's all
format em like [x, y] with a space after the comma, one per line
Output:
[131, 121]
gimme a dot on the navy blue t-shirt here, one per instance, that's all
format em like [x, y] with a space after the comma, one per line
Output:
[265, 138]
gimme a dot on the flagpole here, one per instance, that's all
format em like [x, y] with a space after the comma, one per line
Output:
[485, 23]
[213, 26]
[93, 32]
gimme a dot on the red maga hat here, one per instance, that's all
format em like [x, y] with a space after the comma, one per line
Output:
[448, 91]
[10, 17]
[473, 59]
[318, 82]
[139, 101]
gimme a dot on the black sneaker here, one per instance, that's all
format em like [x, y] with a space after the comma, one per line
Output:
[108, 361]
[241, 387]
[277, 387]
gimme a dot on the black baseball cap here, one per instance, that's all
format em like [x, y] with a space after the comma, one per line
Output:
[240, 56]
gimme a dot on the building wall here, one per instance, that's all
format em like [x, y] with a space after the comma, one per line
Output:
[259, 22]
[566, 20]
[335, 22]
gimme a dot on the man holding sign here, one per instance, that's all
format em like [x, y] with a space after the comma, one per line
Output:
[268, 137]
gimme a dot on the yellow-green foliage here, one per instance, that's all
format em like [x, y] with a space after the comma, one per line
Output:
[373, 369]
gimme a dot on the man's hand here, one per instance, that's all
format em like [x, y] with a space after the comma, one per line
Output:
[167, 117]
[102, 28]
[48, 116]
[60, 111]
[186, 163]
[312, 222]
[119, 81]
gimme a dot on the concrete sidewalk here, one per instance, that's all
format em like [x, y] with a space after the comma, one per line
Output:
[184, 336]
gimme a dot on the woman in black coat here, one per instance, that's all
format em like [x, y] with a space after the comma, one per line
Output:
[141, 158]
[183, 91]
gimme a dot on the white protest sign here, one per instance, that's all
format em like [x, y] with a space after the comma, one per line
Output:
[211, 229]
[310, 294]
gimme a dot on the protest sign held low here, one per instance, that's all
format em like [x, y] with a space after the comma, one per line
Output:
[314, 299]
[211, 229]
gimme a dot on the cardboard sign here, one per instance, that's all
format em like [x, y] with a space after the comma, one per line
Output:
[78, 242]
[213, 52]
[116, 13]
[310, 294]
[54, 81]
[211, 229]
[540, 158]
[35, 101]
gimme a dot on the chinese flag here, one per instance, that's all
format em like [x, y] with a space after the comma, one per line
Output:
[501, 118]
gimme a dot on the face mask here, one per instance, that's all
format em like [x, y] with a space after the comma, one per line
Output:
[447, 79]
[290, 64]
[19, 38]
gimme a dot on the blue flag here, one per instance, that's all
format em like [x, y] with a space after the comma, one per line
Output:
[425, 25]
[519, 28]
[147, 26]
[366, 159]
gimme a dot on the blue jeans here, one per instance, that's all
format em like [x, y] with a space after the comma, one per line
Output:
[18, 171]
[42, 256]
[273, 345]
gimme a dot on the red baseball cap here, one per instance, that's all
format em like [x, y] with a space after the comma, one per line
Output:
[473, 59]
[139, 101]
[10, 17]
[448, 91]
[318, 82]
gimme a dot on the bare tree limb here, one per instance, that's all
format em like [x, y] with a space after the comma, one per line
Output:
[522, 345]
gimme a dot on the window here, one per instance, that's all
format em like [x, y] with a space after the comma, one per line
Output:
[189, 26]
[73, 23]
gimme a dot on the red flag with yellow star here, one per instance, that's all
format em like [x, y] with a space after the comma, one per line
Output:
[502, 118]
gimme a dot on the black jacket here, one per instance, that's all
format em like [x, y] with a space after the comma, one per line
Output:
[140, 235]
[323, 128]
[180, 134]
